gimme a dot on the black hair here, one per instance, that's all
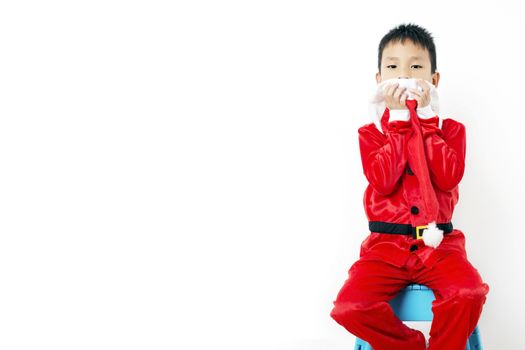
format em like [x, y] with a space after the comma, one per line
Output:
[418, 35]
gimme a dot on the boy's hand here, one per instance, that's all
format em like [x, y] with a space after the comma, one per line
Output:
[422, 97]
[395, 97]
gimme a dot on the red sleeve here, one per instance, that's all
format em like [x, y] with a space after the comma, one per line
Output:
[384, 156]
[445, 151]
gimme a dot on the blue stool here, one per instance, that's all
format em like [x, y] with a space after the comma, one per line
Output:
[414, 303]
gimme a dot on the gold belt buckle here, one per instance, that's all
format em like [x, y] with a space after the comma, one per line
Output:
[419, 231]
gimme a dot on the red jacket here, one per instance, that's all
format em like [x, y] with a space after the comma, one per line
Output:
[393, 191]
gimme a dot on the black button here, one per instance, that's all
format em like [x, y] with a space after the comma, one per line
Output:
[409, 171]
[414, 210]
[413, 247]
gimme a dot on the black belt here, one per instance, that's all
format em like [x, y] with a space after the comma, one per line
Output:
[405, 229]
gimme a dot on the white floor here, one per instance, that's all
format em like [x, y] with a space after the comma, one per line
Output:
[346, 344]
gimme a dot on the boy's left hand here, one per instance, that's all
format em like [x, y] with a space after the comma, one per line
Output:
[422, 97]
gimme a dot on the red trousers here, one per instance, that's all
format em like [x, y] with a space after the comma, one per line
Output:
[362, 304]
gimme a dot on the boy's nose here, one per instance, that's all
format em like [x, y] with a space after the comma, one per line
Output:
[404, 73]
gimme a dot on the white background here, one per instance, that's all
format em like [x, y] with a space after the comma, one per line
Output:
[186, 175]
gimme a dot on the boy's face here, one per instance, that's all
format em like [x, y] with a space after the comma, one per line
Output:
[406, 60]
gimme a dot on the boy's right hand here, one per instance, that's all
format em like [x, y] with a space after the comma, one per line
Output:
[395, 97]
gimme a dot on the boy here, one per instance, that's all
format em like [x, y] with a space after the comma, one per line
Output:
[414, 165]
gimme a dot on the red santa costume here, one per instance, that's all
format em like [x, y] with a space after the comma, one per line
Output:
[413, 162]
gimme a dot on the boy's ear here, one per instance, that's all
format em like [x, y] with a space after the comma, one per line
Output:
[435, 79]
[378, 77]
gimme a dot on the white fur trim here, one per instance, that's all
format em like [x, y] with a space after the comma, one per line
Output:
[432, 236]
[425, 112]
[377, 105]
[399, 114]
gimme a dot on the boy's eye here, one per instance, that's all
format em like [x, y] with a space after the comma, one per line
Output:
[391, 66]
[416, 66]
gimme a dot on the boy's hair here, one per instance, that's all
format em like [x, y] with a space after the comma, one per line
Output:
[418, 35]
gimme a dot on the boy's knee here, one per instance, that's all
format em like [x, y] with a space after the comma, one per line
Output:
[349, 310]
[342, 312]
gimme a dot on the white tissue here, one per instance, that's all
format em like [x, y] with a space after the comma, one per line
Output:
[376, 104]
[406, 83]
